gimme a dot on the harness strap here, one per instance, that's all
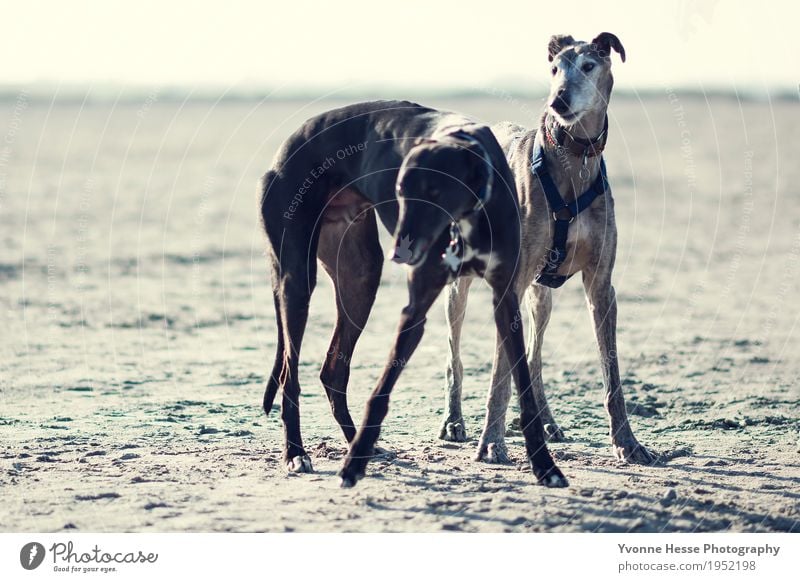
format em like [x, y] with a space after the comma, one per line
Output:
[563, 213]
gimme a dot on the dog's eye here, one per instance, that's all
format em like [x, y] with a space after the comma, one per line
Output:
[587, 67]
[554, 70]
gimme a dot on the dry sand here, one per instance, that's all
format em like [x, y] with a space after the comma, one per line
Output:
[138, 329]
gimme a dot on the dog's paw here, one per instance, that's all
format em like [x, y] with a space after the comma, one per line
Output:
[453, 431]
[299, 464]
[545, 470]
[493, 452]
[347, 482]
[555, 478]
[553, 432]
[354, 467]
[630, 451]
[349, 476]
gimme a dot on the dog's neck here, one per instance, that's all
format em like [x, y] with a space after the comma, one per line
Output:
[573, 172]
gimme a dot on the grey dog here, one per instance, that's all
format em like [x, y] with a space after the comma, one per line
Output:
[568, 226]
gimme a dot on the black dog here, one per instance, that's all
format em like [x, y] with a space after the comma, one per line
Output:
[442, 185]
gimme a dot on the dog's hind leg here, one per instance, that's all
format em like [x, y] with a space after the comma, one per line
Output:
[453, 428]
[492, 443]
[540, 303]
[295, 298]
[602, 303]
[352, 257]
[492, 446]
[291, 241]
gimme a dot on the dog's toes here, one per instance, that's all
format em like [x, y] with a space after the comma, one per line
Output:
[553, 432]
[632, 452]
[548, 474]
[299, 464]
[554, 479]
[349, 476]
[495, 453]
[453, 431]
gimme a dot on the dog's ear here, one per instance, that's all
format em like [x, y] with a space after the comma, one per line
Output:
[423, 141]
[558, 42]
[605, 41]
[477, 173]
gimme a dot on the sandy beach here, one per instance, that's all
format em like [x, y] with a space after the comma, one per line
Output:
[138, 329]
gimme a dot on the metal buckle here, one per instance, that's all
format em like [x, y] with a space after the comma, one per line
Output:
[556, 218]
[583, 173]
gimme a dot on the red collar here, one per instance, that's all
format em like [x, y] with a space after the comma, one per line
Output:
[588, 148]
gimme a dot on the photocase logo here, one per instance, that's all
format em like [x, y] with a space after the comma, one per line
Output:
[31, 555]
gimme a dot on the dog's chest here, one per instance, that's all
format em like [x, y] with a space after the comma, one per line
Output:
[588, 236]
[474, 258]
[581, 238]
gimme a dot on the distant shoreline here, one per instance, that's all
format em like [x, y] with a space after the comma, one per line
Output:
[121, 94]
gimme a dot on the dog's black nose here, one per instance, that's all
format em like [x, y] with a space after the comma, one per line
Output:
[561, 103]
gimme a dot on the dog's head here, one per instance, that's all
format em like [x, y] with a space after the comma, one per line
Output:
[439, 182]
[581, 75]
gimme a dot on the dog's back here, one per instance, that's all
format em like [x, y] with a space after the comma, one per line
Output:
[508, 134]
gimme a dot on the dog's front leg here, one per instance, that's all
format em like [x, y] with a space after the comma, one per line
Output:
[453, 428]
[423, 290]
[602, 302]
[509, 327]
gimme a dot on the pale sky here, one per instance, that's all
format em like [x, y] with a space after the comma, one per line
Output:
[448, 44]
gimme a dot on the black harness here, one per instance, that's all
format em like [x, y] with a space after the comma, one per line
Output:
[564, 213]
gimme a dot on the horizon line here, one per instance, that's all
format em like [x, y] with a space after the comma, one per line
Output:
[136, 92]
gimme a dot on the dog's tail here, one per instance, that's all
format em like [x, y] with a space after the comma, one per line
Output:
[275, 377]
[269, 395]
[273, 384]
